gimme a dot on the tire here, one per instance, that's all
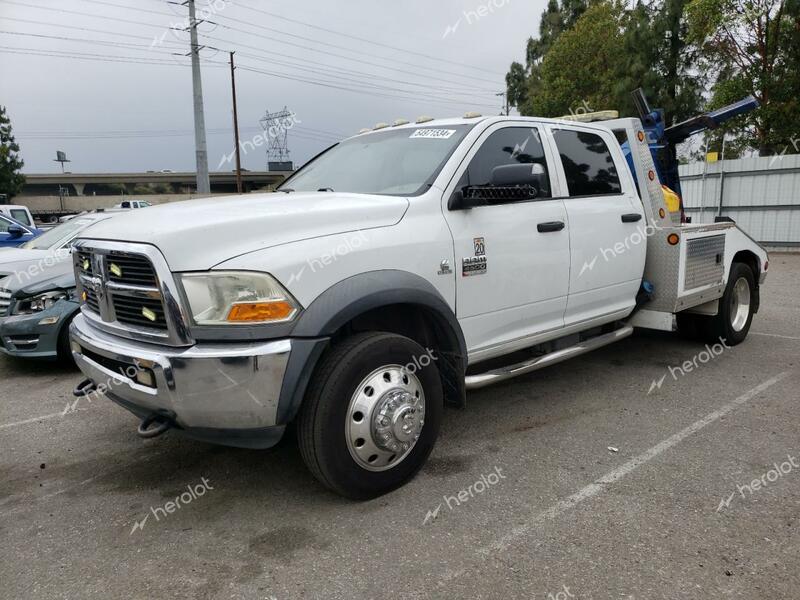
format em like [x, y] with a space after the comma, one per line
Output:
[63, 346]
[732, 322]
[351, 405]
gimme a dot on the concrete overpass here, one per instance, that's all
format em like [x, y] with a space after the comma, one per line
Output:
[115, 184]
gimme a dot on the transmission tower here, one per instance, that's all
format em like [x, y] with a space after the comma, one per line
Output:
[276, 127]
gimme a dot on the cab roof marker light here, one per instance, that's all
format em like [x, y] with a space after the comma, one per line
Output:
[399, 122]
[380, 126]
[589, 117]
[472, 115]
[424, 119]
[364, 130]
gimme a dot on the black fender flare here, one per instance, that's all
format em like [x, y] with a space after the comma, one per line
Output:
[348, 299]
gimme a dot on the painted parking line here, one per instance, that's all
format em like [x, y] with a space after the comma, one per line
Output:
[775, 335]
[593, 489]
[34, 420]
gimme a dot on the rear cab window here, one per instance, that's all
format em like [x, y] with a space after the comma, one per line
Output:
[21, 216]
[588, 163]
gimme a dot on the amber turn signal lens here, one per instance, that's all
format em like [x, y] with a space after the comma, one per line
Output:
[248, 312]
[673, 239]
[640, 135]
[651, 175]
[661, 213]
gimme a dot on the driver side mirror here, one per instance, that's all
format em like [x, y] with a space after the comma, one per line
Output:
[509, 183]
[519, 174]
[15, 231]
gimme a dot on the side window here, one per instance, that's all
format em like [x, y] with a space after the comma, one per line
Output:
[504, 148]
[4, 225]
[588, 164]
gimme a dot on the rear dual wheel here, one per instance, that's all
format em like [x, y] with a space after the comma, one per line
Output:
[371, 415]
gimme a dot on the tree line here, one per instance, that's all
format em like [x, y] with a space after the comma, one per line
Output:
[688, 56]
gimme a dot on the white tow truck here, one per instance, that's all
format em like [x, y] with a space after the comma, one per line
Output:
[392, 273]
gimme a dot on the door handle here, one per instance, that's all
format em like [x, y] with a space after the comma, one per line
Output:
[550, 226]
[631, 218]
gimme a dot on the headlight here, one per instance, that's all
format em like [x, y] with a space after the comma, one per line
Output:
[237, 298]
[41, 302]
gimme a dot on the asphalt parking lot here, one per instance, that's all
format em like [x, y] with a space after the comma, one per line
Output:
[587, 480]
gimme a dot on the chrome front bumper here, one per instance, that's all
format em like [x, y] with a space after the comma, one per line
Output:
[210, 390]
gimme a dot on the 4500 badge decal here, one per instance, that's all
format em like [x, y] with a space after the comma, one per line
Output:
[475, 265]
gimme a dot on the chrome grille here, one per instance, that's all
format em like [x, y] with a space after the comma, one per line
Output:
[143, 312]
[130, 270]
[5, 301]
[91, 301]
[122, 288]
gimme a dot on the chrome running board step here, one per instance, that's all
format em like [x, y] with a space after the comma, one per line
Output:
[480, 380]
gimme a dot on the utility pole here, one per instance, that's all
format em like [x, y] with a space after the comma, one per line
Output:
[203, 184]
[236, 131]
[505, 101]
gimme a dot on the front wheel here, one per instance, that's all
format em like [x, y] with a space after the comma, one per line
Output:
[371, 415]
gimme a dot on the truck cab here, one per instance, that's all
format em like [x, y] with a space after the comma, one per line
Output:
[19, 213]
[395, 271]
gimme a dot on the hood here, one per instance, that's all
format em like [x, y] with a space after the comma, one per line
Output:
[44, 281]
[199, 234]
[18, 255]
[24, 266]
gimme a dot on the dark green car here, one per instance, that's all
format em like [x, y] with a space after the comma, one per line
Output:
[35, 316]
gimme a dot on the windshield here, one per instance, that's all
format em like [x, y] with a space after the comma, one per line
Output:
[58, 236]
[395, 162]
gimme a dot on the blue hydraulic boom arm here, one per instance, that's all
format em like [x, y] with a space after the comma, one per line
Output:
[663, 140]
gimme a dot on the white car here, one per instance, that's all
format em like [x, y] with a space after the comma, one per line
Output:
[50, 251]
[391, 274]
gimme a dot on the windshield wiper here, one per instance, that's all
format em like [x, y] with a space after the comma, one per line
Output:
[285, 190]
[325, 189]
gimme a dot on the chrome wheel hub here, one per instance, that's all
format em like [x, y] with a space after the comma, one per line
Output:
[740, 304]
[385, 418]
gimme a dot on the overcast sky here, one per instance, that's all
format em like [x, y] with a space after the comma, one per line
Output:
[121, 99]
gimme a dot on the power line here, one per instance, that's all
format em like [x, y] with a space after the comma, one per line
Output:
[149, 48]
[305, 39]
[365, 40]
[313, 41]
[88, 56]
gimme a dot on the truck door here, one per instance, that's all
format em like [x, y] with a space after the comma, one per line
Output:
[608, 235]
[511, 257]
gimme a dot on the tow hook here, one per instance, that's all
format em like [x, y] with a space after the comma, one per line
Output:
[84, 388]
[163, 423]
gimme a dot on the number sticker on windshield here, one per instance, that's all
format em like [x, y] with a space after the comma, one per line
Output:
[438, 134]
